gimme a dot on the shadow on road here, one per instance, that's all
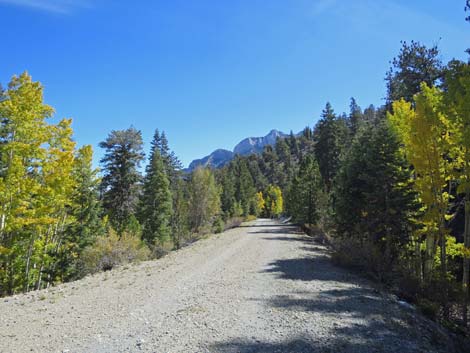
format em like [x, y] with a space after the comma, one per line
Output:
[307, 269]
[357, 302]
[303, 345]
[355, 317]
[354, 320]
[284, 230]
[304, 239]
[292, 346]
[267, 225]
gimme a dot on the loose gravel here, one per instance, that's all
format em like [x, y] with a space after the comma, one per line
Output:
[262, 287]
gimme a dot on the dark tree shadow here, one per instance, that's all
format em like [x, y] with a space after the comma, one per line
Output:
[280, 230]
[389, 336]
[267, 225]
[316, 248]
[292, 346]
[355, 302]
[371, 338]
[308, 268]
[365, 320]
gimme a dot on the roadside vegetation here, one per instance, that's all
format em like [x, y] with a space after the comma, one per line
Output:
[389, 186]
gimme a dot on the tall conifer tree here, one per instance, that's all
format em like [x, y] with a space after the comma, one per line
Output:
[156, 201]
[120, 184]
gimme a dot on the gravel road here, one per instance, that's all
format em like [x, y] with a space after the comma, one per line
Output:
[263, 287]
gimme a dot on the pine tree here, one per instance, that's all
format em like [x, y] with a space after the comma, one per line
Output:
[179, 219]
[457, 105]
[303, 195]
[259, 179]
[287, 171]
[374, 195]
[173, 169]
[294, 146]
[86, 211]
[120, 184]
[86, 205]
[270, 165]
[330, 135]
[228, 189]
[172, 164]
[156, 202]
[306, 143]
[245, 190]
[415, 64]
[355, 117]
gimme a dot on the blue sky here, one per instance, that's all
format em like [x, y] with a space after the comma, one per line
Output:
[210, 73]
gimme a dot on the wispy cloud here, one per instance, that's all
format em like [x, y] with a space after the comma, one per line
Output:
[55, 6]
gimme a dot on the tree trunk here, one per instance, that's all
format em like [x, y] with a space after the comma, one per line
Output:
[443, 257]
[41, 267]
[429, 256]
[28, 261]
[466, 262]
[418, 267]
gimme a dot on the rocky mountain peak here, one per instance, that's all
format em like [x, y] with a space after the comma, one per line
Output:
[249, 145]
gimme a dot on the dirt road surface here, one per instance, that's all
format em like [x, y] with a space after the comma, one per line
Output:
[263, 287]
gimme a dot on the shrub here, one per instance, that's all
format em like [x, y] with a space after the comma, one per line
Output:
[218, 225]
[110, 251]
[160, 249]
[233, 223]
[364, 257]
[250, 218]
[428, 308]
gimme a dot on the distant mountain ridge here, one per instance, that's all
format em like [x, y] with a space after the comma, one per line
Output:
[250, 145]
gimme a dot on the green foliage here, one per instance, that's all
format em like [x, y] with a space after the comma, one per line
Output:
[86, 211]
[244, 190]
[156, 205]
[374, 199]
[227, 196]
[389, 189]
[356, 118]
[178, 212]
[330, 137]
[238, 192]
[204, 199]
[271, 166]
[457, 107]
[120, 184]
[219, 225]
[170, 160]
[112, 250]
[86, 205]
[179, 218]
[36, 189]
[260, 204]
[414, 65]
[274, 203]
[427, 135]
[303, 201]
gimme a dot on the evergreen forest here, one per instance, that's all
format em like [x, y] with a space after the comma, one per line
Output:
[387, 187]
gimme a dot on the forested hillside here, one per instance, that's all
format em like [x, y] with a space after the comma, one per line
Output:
[388, 186]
